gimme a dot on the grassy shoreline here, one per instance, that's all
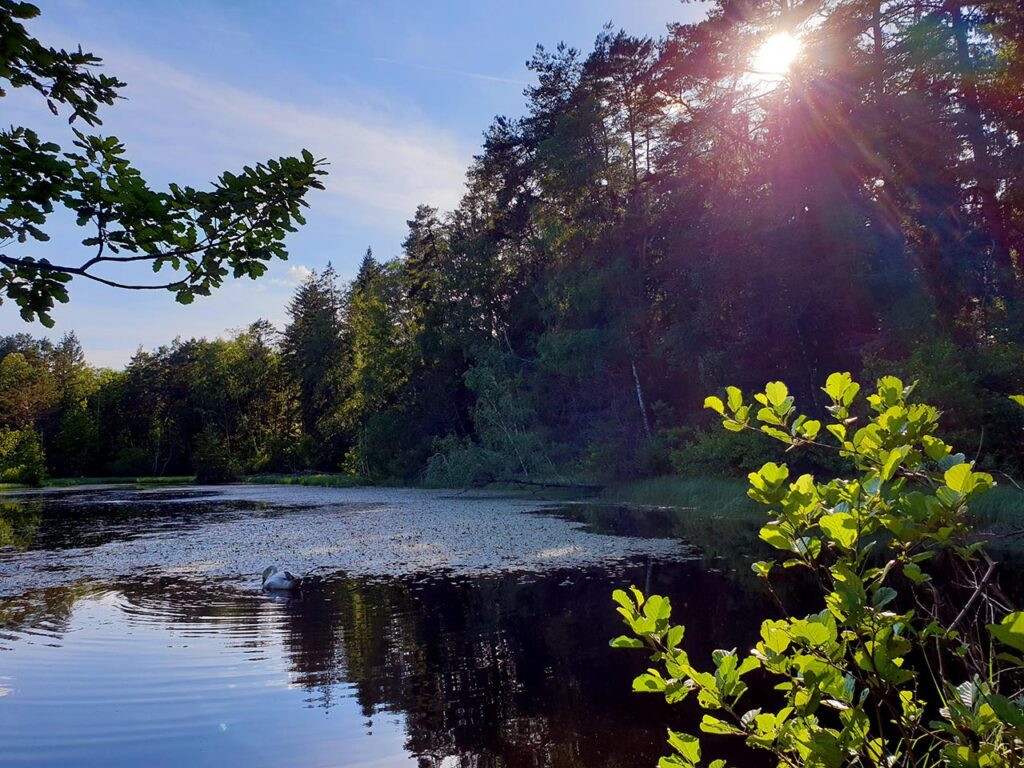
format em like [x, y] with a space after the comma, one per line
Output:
[72, 482]
[1002, 505]
[320, 480]
[727, 497]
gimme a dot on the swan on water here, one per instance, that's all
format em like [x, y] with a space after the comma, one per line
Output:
[283, 581]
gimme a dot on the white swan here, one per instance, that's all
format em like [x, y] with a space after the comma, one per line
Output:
[282, 582]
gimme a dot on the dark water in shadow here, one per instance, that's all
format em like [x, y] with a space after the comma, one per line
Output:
[495, 656]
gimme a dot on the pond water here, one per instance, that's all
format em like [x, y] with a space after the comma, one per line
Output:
[435, 629]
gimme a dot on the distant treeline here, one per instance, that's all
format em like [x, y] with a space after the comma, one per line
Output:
[661, 222]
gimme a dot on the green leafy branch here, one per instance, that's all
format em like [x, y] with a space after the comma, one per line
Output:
[865, 681]
[235, 228]
[60, 76]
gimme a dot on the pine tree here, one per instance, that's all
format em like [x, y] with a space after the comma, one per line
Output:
[314, 347]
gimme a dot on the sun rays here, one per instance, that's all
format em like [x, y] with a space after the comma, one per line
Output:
[775, 56]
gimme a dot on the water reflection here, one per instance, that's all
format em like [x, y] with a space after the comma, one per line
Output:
[441, 669]
[18, 524]
[80, 519]
[733, 540]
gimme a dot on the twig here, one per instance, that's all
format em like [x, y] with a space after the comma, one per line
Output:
[977, 593]
[1013, 482]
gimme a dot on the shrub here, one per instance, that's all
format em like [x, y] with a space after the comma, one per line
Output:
[129, 460]
[896, 669]
[212, 458]
[21, 457]
[75, 442]
[458, 462]
[701, 453]
[970, 385]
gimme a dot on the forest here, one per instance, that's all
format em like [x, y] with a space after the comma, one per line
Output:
[661, 220]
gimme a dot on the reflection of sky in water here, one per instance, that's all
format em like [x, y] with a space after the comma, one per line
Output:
[446, 632]
[148, 695]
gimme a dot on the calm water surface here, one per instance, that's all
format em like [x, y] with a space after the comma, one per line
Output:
[436, 629]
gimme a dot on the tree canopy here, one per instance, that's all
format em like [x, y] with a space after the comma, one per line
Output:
[665, 215]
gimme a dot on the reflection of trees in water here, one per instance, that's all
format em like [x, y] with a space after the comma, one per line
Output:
[501, 670]
[45, 610]
[18, 523]
[498, 670]
[74, 519]
[730, 538]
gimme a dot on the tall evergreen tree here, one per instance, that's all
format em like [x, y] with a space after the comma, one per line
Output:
[314, 346]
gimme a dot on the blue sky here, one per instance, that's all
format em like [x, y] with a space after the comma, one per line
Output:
[395, 94]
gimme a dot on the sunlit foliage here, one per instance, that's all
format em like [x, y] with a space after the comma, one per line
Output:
[912, 658]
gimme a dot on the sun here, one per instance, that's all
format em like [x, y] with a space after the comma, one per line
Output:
[775, 56]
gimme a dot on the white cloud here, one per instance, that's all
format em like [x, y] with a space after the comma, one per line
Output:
[296, 274]
[385, 158]
[456, 72]
[178, 125]
[381, 164]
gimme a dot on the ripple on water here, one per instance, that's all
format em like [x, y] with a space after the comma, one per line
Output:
[436, 629]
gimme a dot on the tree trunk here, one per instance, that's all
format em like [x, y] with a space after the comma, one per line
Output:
[984, 171]
[878, 53]
[640, 400]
